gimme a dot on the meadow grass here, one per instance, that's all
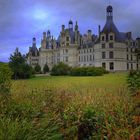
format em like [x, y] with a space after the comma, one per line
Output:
[71, 108]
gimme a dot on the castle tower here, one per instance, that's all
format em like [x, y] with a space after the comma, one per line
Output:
[109, 12]
[71, 25]
[44, 35]
[76, 26]
[34, 43]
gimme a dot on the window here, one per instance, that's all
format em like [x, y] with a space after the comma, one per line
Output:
[127, 66]
[66, 58]
[93, 57]
[111, 65]
[103, 38]
[127, 57]
[90, 50]
[79, 58]
[104, 65]
[131, 66]
[87, 58]
[67, 44]
[67, 38]
[66, 51]
[111, 37]
[111, 55]
[103, 55]
[111, 45]
[131, 57]
[103, 46]
[84, 58]
[90, 57]
[137, 66]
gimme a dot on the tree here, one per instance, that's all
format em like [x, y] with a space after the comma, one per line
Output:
[37, 68]
[19, 67]
[46, 68]
[137, 52]
[5, 78]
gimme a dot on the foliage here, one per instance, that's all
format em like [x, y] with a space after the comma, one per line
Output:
[37, 69]
[60, 69]
[87, 71]
[19, 67]
[5, 78]
[46, 68]
[133, 81]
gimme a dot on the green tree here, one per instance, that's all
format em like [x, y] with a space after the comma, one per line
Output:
[46, 68]
[5, 78]
[19, 67]
[37, 69]
[137, 52]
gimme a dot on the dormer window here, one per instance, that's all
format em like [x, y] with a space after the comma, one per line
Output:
[103, 38]
[111, 37]
[67, 38]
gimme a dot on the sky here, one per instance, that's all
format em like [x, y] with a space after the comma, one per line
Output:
[21, 20]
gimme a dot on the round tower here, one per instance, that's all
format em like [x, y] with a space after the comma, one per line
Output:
[109, 11]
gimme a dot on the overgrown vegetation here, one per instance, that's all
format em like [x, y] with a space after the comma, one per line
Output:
[5, 78]
[134, 81]
[69, 108]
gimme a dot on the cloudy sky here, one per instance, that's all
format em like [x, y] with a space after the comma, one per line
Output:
[21, 20]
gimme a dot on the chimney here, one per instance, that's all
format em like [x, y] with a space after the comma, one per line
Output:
[99, 30]
[63, 27]
[129, 35]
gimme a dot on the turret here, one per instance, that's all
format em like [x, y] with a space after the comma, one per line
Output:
[63, 28]
[34, 43]
[48, 34]
[76, 26]
[44, 35]
[109, 11]
[71, 25]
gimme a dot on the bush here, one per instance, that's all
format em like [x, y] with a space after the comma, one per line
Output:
[37, 69]
[5, 78]
[60, 69]
[133, 81]
[87, 71]
[46, 68]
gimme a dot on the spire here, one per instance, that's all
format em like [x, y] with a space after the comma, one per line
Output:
[76, 26]
[109, 11]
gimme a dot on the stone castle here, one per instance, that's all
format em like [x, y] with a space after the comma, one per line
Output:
[111, 49]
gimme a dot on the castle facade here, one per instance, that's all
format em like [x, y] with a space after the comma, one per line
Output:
[111, 49]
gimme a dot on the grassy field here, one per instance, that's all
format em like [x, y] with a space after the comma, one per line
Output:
[71, 108]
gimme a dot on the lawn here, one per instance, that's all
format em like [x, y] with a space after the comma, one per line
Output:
[70, 108]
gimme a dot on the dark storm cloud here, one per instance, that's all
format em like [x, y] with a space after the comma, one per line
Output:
[20, 20]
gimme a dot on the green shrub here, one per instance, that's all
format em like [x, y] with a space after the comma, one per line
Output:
[37, 69]
[133, 81]
[60, 69]
[5, 78]
[87, 71]
[46, 68]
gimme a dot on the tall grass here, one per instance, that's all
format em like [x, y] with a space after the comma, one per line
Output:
[69, 108]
